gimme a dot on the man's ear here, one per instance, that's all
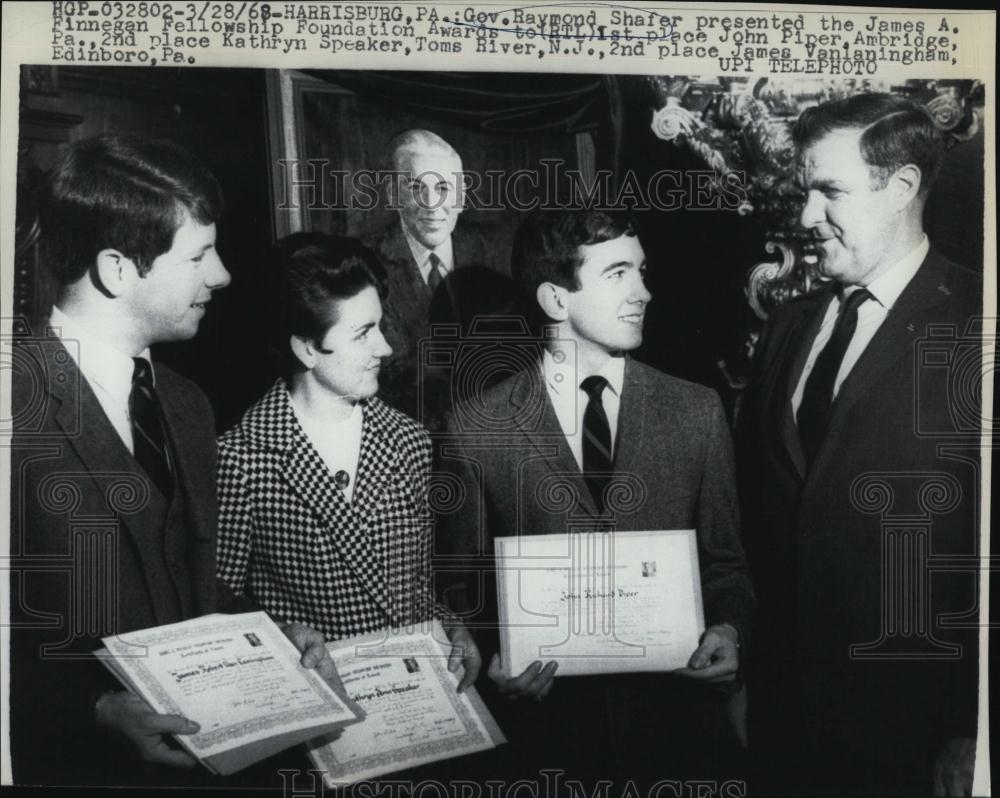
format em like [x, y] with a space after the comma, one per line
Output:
[905, 183]
[113, 272]
[552, 299]
[303, 350]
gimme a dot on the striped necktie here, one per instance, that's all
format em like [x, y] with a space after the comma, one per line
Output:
[148, 438]
[597, 455]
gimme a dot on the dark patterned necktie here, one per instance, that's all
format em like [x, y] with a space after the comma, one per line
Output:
[148, 438]
[597, 459]
[817, 396]
[434, 277]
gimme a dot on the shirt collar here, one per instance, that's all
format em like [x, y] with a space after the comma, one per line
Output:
[559, 375]
[97, 360]
[421, 253]
[887, 288]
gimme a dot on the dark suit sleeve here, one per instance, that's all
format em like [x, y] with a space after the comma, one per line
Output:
[460, 525]
[418, 474]
[728, 594]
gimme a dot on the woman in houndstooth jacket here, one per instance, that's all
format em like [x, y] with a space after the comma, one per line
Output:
[324, 515]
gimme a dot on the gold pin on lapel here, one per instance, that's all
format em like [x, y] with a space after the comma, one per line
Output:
[944, 290]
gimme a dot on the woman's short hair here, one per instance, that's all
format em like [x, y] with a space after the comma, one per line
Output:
[318, 271]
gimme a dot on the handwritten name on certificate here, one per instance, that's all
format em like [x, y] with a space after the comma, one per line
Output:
[237, 676]
[599, 602]
[414, 714]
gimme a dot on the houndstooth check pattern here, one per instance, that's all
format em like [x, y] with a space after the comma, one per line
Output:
[289, 539]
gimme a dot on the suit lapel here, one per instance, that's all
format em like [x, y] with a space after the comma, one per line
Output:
[536, 418]
[194, 484]
[797, 343]
[631, 420]
[410, 271]
[190, 470]
[107, 460]
[463, 248]
[893, 340]
[99, 448]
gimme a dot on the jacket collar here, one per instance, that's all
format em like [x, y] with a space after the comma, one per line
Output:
[132, 499]
[271, 423]
[895, 338]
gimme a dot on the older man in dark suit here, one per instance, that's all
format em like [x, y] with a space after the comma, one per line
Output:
[859, 475]
[422, 255]
[113, 524]
[582, 411]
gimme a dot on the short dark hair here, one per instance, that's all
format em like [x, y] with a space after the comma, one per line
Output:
[896, 132]
[547, 247]
[318, 270]
[128, 193]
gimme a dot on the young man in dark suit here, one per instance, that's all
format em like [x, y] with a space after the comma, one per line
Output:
[859, 468]
[664, 440]
[113, 523]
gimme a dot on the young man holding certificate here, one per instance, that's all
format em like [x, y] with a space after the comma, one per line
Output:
[113, 518]
[582, 441]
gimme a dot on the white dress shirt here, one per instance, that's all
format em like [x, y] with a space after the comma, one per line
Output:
[562, 382]
[422, 255]
[107, 370]
[885, 291]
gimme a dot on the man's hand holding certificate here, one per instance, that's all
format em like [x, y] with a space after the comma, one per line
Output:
[604, 603]
[234, 688]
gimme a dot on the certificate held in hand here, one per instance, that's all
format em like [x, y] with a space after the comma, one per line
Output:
[238, 677]
[414, 713]
[599, 602]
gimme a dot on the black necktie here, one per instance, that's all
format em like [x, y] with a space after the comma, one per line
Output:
[434, 277]
[597, 460]
[148, 438]
[817, 396]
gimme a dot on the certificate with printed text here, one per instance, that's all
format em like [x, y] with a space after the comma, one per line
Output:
[414, 714]
[236, 676]
[608, 602]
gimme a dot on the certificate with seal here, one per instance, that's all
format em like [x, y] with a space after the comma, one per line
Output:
[238, 677]
[413, 712]
[599, 602]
